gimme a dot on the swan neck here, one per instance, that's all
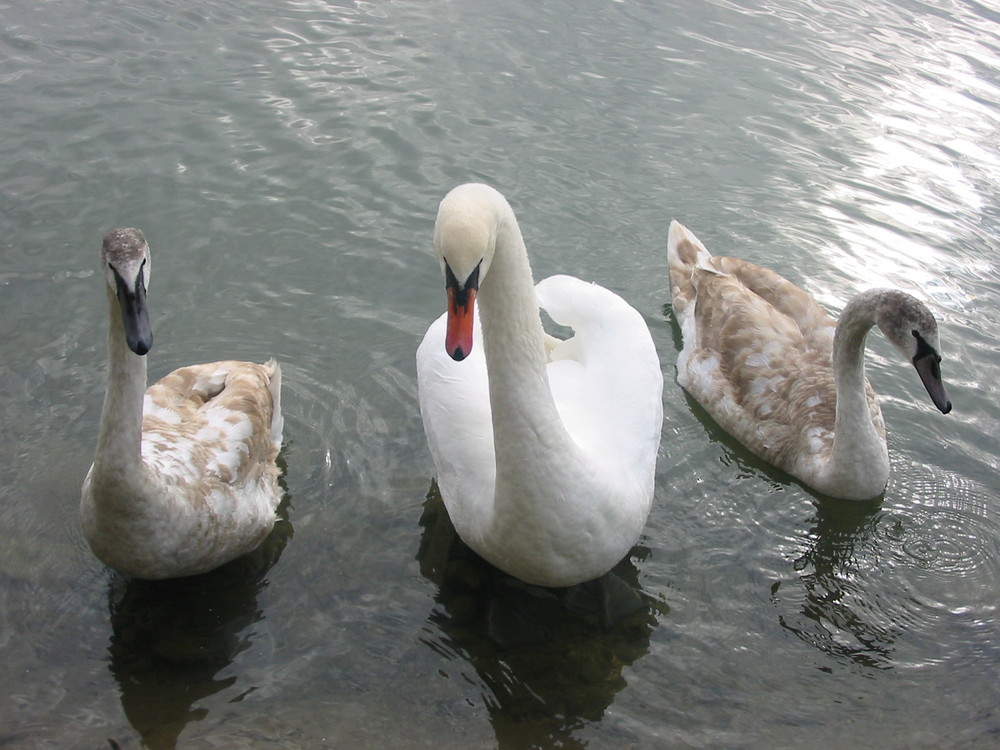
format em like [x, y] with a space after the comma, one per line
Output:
[512, 326]
[855, 436]
[513, 338]
[119, 442]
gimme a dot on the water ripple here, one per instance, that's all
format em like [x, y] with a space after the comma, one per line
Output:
[875, 585]
[948, 554]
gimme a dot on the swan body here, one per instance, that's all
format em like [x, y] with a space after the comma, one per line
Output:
[184, 478]
[545, 449]
[781, 376]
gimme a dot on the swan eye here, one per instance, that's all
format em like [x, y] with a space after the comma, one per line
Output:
[924, 349]
[461, 290]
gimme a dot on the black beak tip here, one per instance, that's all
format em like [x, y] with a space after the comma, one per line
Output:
[458, 355]
[141, 347]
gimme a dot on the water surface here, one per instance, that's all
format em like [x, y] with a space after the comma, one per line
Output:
[285, 161]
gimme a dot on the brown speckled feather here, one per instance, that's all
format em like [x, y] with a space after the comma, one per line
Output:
[220, 414]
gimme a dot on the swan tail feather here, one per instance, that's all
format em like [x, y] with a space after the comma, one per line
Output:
[685, 255]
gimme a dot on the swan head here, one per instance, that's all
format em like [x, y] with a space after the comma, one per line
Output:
[911, 327]
[126, 262]
[465, 238]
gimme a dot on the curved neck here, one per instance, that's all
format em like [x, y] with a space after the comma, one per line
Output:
[526, 424]
[119, 442]
[858, 448]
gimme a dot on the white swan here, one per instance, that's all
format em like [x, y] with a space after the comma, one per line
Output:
[777, 373]
[184, 478]
[545, 449]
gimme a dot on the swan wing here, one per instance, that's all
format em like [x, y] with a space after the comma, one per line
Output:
[217, 421]
[758, 373]
[812, 321]
[756, 352]
[606, 379]
[686, 255]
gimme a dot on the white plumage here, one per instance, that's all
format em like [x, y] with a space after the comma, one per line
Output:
[184, 478]
[780, 375]
[545, 449]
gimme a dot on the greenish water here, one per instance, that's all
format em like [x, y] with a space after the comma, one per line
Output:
[285, 161]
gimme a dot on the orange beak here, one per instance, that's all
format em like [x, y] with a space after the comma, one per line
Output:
[461, 306]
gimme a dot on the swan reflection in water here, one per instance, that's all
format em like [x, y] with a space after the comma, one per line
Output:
[549, 660]
[172, 639]
[837, 613]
